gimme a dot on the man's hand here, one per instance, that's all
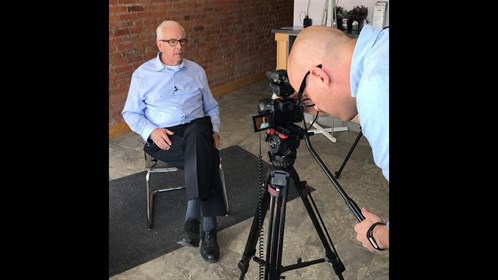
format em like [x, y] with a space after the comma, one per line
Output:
[381, 232]
[216, 138]
[161, 138]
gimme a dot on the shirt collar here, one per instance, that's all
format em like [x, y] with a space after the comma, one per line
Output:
[160, 66]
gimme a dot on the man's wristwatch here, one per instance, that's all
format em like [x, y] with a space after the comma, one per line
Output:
[370, 237]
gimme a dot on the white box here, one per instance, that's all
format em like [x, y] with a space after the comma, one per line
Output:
[379, 14]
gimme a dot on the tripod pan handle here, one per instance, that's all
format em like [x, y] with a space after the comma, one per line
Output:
[355, 209]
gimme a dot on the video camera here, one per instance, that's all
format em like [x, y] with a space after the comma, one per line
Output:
[280, 110]
[278, 116]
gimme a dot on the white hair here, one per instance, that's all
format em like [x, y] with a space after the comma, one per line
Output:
[167, 23]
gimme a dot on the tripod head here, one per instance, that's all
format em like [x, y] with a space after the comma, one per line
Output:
[283, 142]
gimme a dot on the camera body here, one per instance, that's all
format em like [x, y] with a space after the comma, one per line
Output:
[279, 83]
[278, 115]
[280, 110]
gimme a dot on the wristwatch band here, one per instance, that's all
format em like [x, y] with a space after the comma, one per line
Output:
[370, 237]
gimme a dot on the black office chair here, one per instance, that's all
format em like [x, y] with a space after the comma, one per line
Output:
[153, 165]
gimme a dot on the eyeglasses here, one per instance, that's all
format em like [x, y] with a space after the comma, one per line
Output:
[173, 42]
[303, 84]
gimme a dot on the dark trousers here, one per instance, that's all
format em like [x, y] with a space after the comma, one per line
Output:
[193, 151]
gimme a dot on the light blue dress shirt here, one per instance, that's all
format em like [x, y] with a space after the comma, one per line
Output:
[370, 86]
[162, 96]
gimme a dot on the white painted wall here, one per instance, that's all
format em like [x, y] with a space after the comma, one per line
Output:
[316, 10]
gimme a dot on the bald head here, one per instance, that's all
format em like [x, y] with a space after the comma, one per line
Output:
[316, 45]
[328, 86]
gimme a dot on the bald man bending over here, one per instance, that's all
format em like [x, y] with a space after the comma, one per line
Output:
[345, 77]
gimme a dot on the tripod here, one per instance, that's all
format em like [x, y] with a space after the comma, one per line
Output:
[275, 193]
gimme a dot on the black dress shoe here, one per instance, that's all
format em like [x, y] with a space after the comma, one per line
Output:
[190, 236]
[210, 251]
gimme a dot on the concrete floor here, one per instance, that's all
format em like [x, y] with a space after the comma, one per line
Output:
[361, 180]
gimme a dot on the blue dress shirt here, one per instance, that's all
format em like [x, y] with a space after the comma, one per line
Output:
[370, 86]
[163, 96]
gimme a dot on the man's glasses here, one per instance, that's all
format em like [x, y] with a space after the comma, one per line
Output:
[173, 42]
[303, 85]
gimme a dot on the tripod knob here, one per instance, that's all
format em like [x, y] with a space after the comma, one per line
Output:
[281, 162]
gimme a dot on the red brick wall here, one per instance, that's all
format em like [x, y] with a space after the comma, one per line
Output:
[231, 39]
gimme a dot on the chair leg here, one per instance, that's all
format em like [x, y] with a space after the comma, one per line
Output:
[150, 198]
[151, 194]
[225, 196]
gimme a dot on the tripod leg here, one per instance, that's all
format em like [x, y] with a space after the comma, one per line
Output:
[252, 239]
[338, 173]
[320, 228]
[279, 191]
[277, 185]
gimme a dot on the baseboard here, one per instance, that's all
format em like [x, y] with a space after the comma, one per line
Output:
[220, 91]
[118, 129]
[122, 128]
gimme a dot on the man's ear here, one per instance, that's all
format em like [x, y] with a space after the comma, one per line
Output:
[319, 72]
